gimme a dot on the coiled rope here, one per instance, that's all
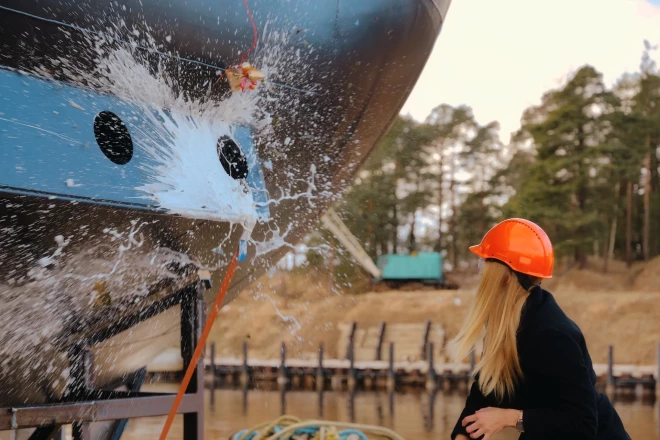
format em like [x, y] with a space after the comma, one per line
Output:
[287, 426]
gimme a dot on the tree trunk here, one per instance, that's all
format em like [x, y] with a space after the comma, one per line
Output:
[582, 196]
[395, 210]
[331, 264]
[440, 197]
[452, 220]
[395, 228]
[412, 242]
[647, 205]
[629, 191]
[609, 251]
[580, 257]
[370, 239]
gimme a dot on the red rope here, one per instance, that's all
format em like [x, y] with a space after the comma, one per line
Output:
[255, 38]
[200, 345]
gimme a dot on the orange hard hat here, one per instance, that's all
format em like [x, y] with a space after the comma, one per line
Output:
[521, 245]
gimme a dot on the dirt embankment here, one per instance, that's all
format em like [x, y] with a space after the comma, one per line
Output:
[621, 308]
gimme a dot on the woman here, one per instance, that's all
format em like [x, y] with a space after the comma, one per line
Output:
[535, 373]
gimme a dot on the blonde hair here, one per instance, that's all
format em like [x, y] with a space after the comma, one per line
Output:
[494, 319]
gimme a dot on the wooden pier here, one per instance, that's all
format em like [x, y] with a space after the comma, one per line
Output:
[349, 374]
[386, 357]
[335, 374]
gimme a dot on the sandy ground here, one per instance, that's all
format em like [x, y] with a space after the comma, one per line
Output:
[621, 308]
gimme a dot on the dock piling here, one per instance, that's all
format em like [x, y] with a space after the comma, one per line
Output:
[611, 380]
[352, 379]
[431, 383]
[212, 359]
[353, 374]
[245, 372]
[425, 342]
[391, 375]
[657, 375]
[320, 379]
[282, 373]
[351, 338]
[381, 338]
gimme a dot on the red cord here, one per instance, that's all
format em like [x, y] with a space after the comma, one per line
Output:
[255, 38]
[200, 345]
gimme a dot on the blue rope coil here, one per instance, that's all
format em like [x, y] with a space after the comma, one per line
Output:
[343, 435]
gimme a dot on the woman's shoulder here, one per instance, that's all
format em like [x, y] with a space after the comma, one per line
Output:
[545, 326]
[553, 351]
[542, 315]
[547, 333]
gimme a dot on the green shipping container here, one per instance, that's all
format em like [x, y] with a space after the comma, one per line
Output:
[425, 266]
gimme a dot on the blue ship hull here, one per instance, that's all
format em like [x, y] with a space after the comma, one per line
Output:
[69, 201]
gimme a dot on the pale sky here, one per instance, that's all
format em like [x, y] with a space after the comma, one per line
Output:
[499, 57]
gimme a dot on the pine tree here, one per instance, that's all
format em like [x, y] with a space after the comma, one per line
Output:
[568, 130]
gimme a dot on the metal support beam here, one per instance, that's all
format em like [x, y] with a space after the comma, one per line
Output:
[334, 224]
[94, 411]
[192, 322]
[83, 405]
[81, 431]
[142, 315]
[133, 385]
[52, 432]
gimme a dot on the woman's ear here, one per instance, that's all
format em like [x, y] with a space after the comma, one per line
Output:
[508, 278]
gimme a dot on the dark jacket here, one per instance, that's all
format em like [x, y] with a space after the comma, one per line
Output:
[557, 394]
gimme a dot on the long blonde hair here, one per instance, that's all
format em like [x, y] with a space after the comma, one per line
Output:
[494, 319]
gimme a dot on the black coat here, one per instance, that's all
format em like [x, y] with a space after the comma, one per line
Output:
[557, 394]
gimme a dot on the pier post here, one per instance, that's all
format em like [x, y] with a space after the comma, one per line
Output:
[245, 400]
[611, 380]
[431, 376]
[214, 377]
[282, 374]
[425, 342]
[351, 382]
[381, 338]
[193, 307]
[430, 419]
[657, 375]
[320, 395]
[283, 401]
[212, 360]
[391, 375]
[245, 371]
[320, 379]
[351, 338]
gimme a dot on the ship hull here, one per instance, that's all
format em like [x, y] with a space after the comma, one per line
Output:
[84, 246]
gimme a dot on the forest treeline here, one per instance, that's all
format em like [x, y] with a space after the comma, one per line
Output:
[584, 166]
